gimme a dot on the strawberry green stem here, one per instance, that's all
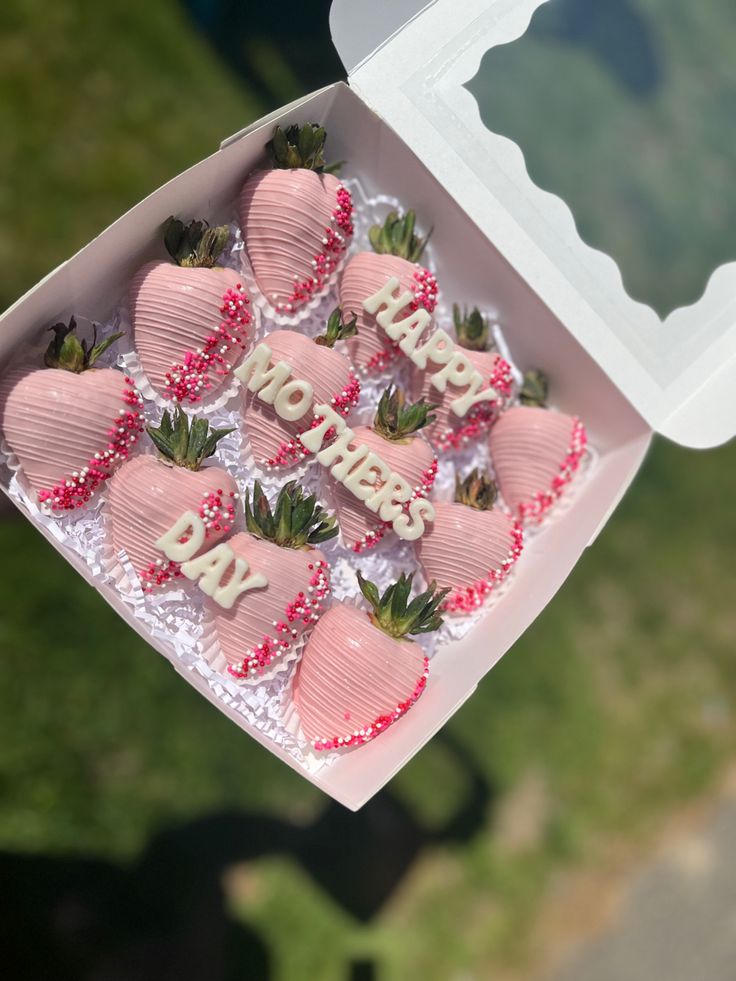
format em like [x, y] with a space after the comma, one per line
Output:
[297, 521]
[396, 237]
[69, 353]
[395, 614]
[476, 491]
[196, 245]
[337, 329]
[534, 389]
[396, 419]
[183, 443]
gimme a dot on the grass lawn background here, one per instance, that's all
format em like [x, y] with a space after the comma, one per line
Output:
[615, 706]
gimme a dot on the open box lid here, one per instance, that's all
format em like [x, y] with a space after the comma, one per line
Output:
[409, 62]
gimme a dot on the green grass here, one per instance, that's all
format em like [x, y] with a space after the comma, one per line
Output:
[617, 705]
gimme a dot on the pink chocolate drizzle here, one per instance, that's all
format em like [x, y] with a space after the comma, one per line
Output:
[353, 681]
[186, 381]
[69, 431]
[536, 453]
[297, 225]
[452, 432]
[365, 273]
[147, 496]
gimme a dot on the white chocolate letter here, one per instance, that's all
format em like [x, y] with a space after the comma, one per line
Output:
[211, 566]
[177, 551]
[410, 525]
[239, 582]
[340, 451]
[289, 409]
[463, 403]
[312, 439]
[457, 371]
[388, 499]
[254, 375]
[409, 330]
[362, 481]
[438, 349]
[385, 298]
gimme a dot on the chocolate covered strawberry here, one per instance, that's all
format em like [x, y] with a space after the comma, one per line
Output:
[191, 318]
[360, 672]
[149, 495]
[536, 451]
[72, 423]
[397, 250]
[264, 623]
[450, 431]
[496, 537]
[273, 440]
[297, 219]
[393, 437]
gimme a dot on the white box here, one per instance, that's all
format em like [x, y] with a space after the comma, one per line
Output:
[499, 240]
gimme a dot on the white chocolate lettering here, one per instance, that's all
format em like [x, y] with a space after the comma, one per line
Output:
[463, 403]
[313, 439]
[388, 500]
[385, 298]
[257, 377]
[410, 524]
[438, 349]
[211, 568]
[409, 331]
[363, 479]
[457, 371]
[238, 583]
[290, 408]
[212, 565]
[339, 456]
[189, 524]
[363, 473]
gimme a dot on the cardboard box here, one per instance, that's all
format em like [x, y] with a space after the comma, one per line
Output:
[408, 128]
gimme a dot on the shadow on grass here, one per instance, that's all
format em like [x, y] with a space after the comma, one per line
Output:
[164, 917]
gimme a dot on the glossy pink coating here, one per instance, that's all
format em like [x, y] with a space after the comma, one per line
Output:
[55, 421]
[325, 369]
[365, 274]
[148, 496]
[536, 453]
[411, 459]
[296, 224]
[444, 553]
[254, 617]
[179, 314]
[354, 680]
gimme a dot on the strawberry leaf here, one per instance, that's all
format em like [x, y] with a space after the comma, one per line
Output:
[396, 419]
[183, 444]
[394, 615]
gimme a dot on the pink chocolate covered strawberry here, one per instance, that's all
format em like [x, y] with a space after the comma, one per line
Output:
[191, 318]
[264, 623]
[297, 219]
[393, 437]
[496, 537]
[536, 451]
[149, 495]
[274, 440]
[396, 253]
[450, 431]
[72, 424]
[360, 672]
